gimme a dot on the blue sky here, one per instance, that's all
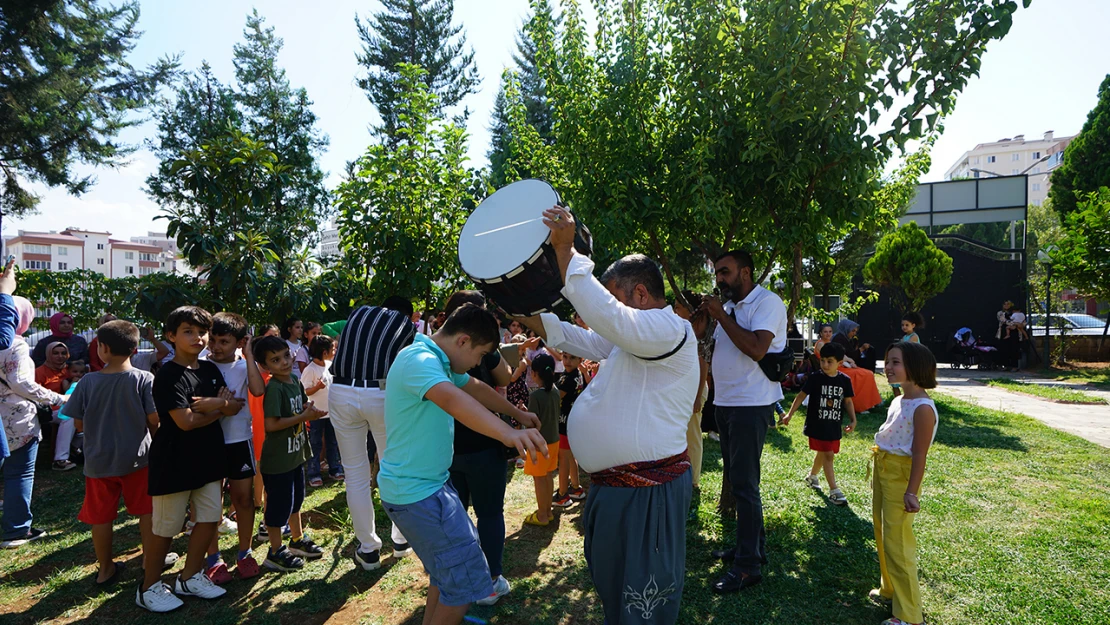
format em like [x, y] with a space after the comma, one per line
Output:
[1043, 76]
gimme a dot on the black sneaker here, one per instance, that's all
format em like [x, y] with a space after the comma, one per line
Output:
[401, 550]
[283, 561]
[262, 533]
[305, 548]
[368, 561]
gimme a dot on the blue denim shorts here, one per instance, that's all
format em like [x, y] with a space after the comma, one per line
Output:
[446, 541]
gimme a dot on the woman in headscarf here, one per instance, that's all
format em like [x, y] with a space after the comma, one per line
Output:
[19, 395]
[858, 355]
[859, 366]
[61, 329]
[54, 375]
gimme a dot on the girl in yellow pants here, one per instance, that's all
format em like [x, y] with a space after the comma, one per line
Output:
[901, 445]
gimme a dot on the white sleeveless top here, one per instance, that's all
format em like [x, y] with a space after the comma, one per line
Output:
[895, 436]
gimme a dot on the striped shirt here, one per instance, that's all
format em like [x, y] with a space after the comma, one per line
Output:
[370, 343]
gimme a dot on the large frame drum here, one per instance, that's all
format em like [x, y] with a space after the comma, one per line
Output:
[505, 248]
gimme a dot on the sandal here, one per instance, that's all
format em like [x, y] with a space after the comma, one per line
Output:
[534, 519]
[115, 575]
[838, 498]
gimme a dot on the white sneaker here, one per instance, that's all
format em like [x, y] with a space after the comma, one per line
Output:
[157, 598]
[813, 482]
[199, 586]
[227, 526]
[500, 589]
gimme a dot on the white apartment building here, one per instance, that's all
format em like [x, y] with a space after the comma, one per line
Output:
[329, 240]
[84, 249]
[1036, 158]
[170, 259]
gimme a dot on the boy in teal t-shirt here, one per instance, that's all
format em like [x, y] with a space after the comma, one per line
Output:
[426, 390]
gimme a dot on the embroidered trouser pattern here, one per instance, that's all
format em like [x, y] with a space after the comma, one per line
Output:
[635, 547]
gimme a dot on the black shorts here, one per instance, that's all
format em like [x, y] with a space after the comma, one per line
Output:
[240, 460]
[284, 495]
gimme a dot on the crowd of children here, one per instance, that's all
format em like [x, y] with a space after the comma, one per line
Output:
[225, 410]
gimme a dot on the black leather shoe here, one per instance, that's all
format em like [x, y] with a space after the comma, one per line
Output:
[725, 555]
[732, 582]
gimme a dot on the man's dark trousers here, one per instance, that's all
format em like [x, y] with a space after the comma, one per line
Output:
[743, 431]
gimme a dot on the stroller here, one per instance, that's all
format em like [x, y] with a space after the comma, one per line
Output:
[966, 351]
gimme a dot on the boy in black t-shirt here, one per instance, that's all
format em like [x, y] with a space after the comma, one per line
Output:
[830, 394]
[186, 459]
[570, 384]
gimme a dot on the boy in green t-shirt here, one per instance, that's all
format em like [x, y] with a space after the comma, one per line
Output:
[286, 408]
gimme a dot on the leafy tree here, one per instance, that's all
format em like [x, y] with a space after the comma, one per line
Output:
[910, 266]
[1086, 165]
[417, 32]
[68, 92]
[749, 123]
[1083, 257]
[281, 117]
[223, 224]
[832, 273]
[402, 210]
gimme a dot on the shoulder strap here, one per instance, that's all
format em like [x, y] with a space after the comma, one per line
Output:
[685, 336]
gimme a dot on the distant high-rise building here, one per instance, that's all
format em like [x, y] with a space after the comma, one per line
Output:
[1036, 158]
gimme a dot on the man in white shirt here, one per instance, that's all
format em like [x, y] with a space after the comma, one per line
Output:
[628, 428]
[751, 324]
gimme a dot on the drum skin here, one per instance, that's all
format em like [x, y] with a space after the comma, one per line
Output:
[506, 249]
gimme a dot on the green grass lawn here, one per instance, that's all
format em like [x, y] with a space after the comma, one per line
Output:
[1095, 376]
[1013, 530]
[1050, 392]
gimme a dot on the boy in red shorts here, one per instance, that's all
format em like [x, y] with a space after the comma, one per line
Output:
[830, 393]
[115, 409]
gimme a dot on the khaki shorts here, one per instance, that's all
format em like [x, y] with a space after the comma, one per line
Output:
[169, 510]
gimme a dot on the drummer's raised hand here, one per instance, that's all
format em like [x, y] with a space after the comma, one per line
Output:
[561, 223]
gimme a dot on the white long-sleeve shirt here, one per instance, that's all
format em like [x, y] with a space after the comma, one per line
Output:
[635, 410]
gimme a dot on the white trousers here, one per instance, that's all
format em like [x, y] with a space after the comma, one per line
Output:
[355, 412]
[66, 430]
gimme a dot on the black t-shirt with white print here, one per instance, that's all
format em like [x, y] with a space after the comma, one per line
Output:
[826, 405]
[183, 460]
[571, 383]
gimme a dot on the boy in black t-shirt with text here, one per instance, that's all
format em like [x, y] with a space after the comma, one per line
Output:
[830, 393]
[570, 384]
[186, 459]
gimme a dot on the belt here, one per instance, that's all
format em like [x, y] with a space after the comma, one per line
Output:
[355, 383]
[644, 474]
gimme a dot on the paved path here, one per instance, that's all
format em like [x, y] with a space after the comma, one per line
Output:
[1091, 422]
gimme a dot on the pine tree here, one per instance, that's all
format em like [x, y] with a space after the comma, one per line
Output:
[1086, 164]
[281, 116]
[417, 32]
[67, 90]
[533, 90]
[202, 110]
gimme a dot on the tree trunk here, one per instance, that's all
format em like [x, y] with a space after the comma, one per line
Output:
[678, 296]
[796, 291]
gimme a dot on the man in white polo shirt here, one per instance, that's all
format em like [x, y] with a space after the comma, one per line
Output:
[628, 428]
[750, 324]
